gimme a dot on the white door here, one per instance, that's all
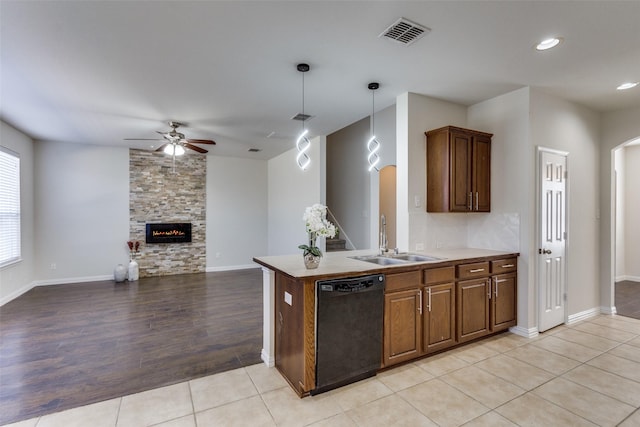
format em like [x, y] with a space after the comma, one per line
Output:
[552, 213]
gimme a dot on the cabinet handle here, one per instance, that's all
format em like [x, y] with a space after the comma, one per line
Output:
[420, 306]
[496, 280]
[477, 200]
[489, 282]
[429, 295]
[476, 270]
[470, 201]
[508, 266]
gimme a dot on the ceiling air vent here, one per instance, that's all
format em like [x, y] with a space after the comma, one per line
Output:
[301, 117]
[404, 32]
[254, 150]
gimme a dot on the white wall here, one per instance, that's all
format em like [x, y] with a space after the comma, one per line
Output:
[236, 212]
[617, 128]
[18, 278]
[348, 194]
[620, 225]
[509, 225]
[291, 190]
[632, 213]
[561, 125]
[82, 217]
[417, 114]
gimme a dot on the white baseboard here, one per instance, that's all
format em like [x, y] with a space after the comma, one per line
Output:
[628, 278]
[231, 267]
[608, 310]
[524, 332]
[15, 294]
[67, 280]
[583, 315]
[264, 355]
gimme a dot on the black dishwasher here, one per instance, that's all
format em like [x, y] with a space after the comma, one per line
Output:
[349, 316]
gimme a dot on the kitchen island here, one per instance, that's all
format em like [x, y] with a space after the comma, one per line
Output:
[429, 306]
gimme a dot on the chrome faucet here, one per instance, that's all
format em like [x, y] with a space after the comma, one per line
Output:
[383, 235]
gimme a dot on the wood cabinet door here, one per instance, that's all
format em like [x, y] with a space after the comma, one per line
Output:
[472, 308]
[439, 317]
[504, 301]
[402, 326]
[481, 174]
[460, 170]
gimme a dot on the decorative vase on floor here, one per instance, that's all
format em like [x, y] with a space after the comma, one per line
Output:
[134, 272]
[120, 273]
[311, 261]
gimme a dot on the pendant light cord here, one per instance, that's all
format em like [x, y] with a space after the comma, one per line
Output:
[373, 112]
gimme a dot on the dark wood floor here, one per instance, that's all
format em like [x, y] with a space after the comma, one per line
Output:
[628, 299]
[70, 345]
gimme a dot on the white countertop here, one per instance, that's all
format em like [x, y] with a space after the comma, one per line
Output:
[336, 263]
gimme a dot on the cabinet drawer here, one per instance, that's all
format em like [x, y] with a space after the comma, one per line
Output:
[399, 281]
[439, 275]
[504, 265]
[469, 271]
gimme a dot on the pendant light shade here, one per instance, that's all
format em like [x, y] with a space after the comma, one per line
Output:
[373, 145]
[302, 143]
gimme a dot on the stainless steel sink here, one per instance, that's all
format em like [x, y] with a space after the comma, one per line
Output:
[415, 257]
[380, 260]
[390, 259]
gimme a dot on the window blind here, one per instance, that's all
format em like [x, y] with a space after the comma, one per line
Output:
[9, 207]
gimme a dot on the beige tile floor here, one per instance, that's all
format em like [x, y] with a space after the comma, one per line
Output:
[586, 374]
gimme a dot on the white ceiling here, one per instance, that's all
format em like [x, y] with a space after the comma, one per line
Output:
[97, 72]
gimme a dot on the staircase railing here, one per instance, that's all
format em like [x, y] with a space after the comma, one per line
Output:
[343, 234]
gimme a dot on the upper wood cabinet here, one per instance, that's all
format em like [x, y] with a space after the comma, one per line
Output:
[458, 170]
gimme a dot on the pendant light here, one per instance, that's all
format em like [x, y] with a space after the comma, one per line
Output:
[373, 145]
[302, 143]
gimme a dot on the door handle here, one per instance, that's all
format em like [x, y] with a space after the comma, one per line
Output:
[420, 306]
[489, 282]
[544, 251]
[429, 305]
[470, 201]
[477, 208]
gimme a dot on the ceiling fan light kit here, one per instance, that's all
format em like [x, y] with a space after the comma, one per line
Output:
[176, 142]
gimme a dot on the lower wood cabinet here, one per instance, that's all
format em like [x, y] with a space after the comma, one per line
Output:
[439, 317]
[503, 302]
[402, 326]
[447, 306]
[473, 309]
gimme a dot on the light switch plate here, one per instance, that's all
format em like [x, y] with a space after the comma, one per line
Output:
[288, 298]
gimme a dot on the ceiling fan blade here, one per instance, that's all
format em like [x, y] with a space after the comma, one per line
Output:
[143, 139]
[201, 141]
[195, 148]
[162, 147]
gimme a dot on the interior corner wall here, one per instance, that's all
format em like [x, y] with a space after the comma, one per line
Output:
[236, 212]
[562, 125]
[82, 211]
[290, 191]
[618, 127]
[422, 114]
[632, 213]
[348, 181]
[510, 224]
[619, 165]
[18, 278]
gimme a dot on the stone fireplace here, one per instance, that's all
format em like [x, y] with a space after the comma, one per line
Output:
[160, 195]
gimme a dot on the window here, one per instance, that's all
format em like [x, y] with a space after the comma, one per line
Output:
[9, 207]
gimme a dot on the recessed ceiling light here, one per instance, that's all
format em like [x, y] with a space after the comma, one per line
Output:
[548, 43]
[628, 85]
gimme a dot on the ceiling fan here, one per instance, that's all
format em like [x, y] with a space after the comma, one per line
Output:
[176, 142]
